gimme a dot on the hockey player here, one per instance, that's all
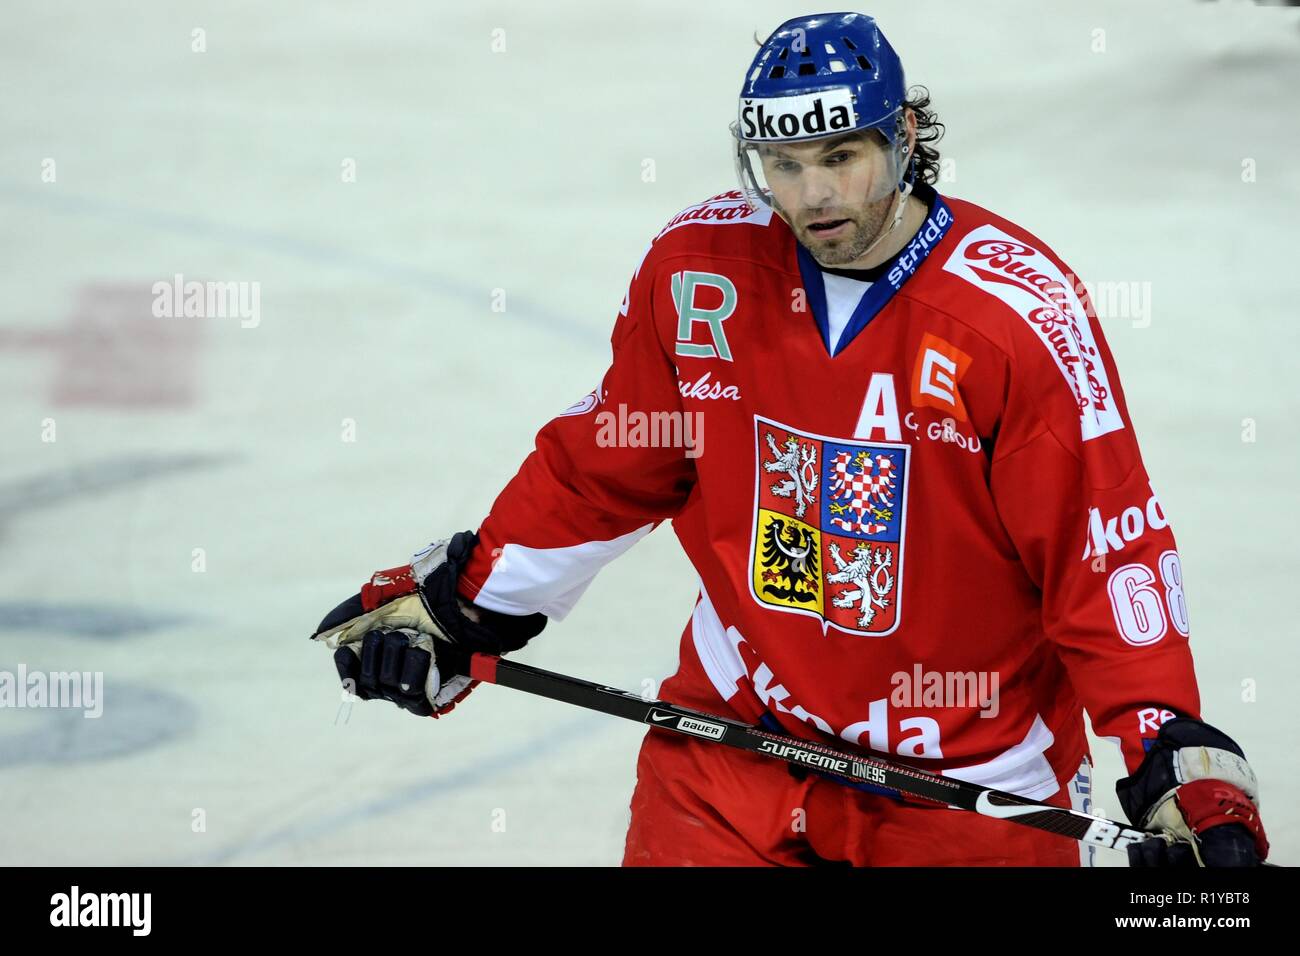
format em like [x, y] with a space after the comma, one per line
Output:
[920, 476]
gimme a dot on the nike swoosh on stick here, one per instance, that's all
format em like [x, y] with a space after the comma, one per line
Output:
[1002, 810]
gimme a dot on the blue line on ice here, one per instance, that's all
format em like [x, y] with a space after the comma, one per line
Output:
[314, 252]
[97, 620]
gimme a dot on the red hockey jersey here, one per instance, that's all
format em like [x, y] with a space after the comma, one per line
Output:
[934, 538]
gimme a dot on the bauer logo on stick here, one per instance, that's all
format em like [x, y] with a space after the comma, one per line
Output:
[700, 728]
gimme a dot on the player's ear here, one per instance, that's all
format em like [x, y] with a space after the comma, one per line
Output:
[909, 116]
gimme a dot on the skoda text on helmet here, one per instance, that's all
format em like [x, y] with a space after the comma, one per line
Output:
[818, 76]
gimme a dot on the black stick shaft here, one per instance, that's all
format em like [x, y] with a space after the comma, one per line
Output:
[1073, 824]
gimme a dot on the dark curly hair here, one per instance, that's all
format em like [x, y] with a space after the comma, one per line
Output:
[928, 132]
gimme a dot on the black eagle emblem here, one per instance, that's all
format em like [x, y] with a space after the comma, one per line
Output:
[789, 556]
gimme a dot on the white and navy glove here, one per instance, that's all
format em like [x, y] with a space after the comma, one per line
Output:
[1194, 788]
[407, 636]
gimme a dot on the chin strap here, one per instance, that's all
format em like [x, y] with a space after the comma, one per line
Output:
[900, 200]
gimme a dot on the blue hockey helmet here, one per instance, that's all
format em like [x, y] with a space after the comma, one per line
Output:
[818, 76]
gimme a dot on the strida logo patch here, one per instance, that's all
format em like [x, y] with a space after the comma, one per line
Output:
[828, 528]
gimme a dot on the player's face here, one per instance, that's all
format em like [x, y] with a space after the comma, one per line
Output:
[834, 192]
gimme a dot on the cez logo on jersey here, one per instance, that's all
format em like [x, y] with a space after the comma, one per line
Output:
[828, 528]
[940, 365]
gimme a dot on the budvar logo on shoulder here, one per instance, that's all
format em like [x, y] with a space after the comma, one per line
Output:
[722, 209]
[1034, 286]
[790, 117]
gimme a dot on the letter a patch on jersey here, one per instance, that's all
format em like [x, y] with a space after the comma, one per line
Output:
[828, 528]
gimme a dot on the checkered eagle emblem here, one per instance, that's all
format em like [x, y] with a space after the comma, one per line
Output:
[828, 528]
[865, 486]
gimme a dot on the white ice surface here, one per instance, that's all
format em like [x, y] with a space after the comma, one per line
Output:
[523, 170]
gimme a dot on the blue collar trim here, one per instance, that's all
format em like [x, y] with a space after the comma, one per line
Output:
[901, 268]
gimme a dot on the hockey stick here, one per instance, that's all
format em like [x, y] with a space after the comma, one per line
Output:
[1074, 824]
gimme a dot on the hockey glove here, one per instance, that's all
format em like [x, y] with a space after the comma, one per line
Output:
[388, 640]
[1194, 784]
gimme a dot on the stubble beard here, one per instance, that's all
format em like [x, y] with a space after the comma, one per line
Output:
[867, 223]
